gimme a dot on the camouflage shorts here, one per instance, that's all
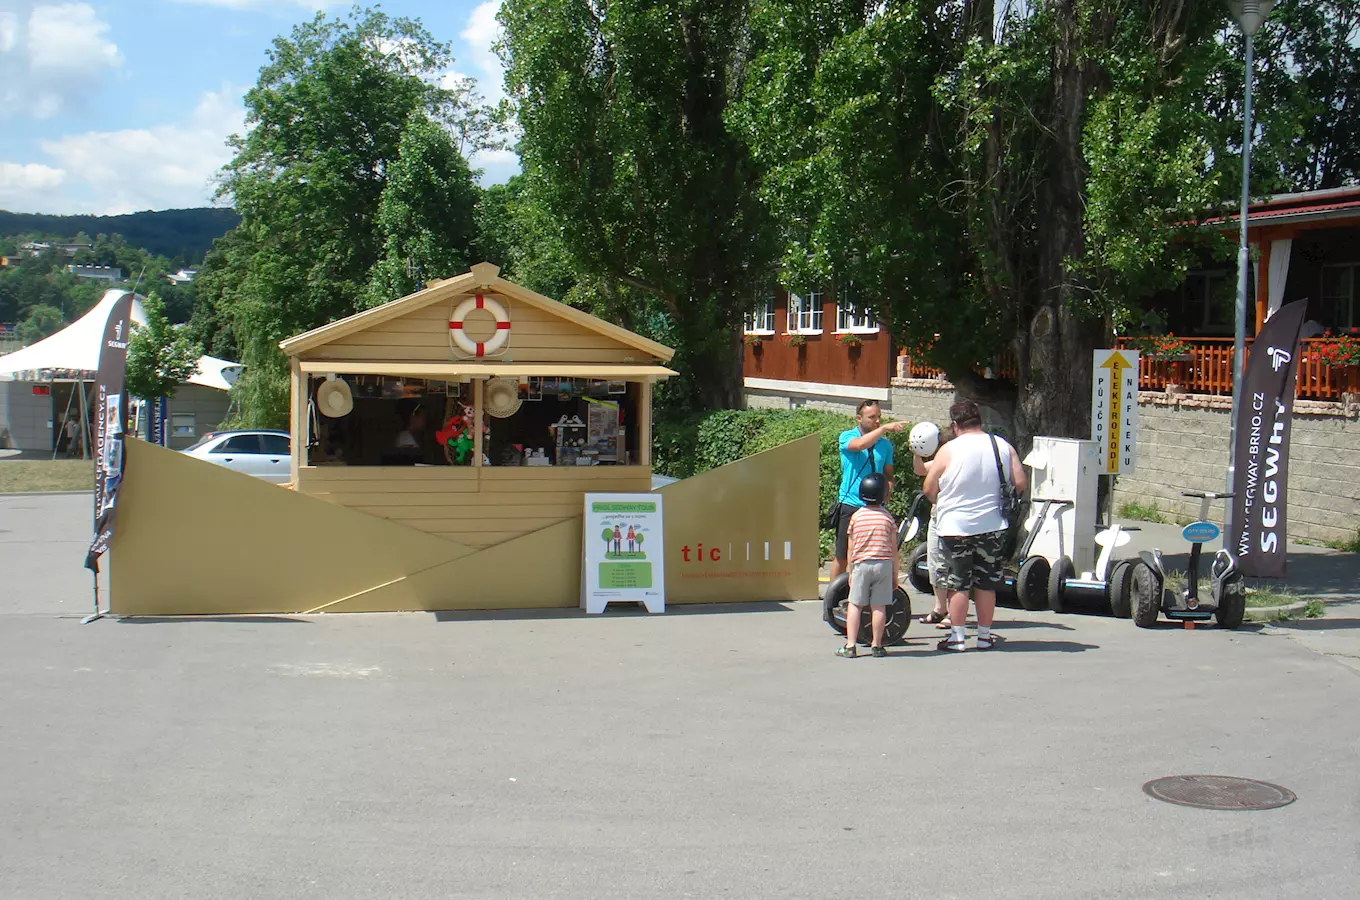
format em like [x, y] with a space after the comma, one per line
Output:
[975, 561]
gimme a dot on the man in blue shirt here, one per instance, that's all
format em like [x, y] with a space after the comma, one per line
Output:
[864, 449]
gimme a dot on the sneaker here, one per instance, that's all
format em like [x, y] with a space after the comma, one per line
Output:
[879, 652]
[848, 652]
[950, 644]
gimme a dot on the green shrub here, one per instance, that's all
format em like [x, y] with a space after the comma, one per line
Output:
[684, 447]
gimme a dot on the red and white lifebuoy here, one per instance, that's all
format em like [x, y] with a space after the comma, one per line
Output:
[458, 334]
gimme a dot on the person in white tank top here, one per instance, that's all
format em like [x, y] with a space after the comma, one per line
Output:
[963, 484]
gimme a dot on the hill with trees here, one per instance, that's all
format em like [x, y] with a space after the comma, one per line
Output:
[182, 236]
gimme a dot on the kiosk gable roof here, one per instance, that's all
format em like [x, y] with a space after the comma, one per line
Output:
[484, 276]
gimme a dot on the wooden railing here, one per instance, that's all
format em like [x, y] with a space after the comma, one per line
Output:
[1207, 369]
[914, 368]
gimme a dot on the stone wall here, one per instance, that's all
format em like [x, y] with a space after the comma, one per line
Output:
[1183, 445]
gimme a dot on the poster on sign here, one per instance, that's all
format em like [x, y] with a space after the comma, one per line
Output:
[624, 552]
[1114, 409]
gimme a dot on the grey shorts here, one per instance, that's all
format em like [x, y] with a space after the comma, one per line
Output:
[937, 561]
[871, 583]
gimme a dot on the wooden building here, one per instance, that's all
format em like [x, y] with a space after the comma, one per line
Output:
[816, 345]
[419, 370]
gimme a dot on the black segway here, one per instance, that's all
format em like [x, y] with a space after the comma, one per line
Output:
[837, 594]
[1227, 592]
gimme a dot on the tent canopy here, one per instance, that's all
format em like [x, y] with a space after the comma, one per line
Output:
[76, 347]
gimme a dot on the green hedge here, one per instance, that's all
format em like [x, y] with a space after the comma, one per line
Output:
[686, 447]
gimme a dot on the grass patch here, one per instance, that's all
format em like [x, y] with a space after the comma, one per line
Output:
[1314, 609]
[19, 475]
[1347, 546]
[1267, 595]
[1143, 512]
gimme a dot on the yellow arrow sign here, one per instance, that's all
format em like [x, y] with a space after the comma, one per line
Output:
[1116, 362]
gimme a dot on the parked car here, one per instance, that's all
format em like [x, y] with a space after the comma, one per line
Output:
[264, 453]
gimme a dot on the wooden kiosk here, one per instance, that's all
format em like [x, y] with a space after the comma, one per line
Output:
[563, 400]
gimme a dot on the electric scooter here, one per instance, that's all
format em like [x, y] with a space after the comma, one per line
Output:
[1227, 592]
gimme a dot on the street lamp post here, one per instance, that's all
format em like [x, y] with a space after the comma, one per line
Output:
[1250, 14]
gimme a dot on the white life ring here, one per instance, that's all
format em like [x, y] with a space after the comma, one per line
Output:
[458, 335]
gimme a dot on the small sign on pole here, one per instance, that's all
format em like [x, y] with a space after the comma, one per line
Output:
[1114, 409]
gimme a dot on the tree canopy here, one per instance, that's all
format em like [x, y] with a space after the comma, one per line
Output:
[620, 110]
[332, 219]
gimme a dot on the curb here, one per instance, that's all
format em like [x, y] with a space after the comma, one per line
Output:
[1266, 613]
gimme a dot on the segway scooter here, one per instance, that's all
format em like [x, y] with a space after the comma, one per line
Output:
[1227, 593]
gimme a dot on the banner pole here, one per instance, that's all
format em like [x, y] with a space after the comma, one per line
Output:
[97, 614]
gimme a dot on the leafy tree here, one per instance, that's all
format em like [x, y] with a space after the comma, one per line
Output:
[620, 110]
[161, 357]
[1307, 95]
[994, 185]
[517, 234]
[424, 213]
[42, 321]
[327, 119]
[608, 536]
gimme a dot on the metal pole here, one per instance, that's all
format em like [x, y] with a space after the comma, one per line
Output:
[1240, 331]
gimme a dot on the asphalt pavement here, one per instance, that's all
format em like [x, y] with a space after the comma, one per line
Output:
[710, 752]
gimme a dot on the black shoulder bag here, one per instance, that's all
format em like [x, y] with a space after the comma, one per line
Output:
[1010, 501]
[834, 515]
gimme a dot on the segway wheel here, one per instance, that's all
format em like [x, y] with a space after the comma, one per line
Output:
[1031, 585]
[1121, 589]
[917, 574]
[1232, 604]
[1145, 594]
[833, 603]
[899, 620]
[1057, 583]
[899, 613]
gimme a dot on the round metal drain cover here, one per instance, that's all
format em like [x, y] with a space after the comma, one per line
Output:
[1219, 792]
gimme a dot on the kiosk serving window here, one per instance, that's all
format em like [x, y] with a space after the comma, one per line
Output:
[525, 421]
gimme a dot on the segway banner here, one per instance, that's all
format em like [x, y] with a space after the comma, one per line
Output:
[1264, 421]
[110, 413]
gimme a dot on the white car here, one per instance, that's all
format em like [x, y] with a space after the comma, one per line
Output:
[264, 453]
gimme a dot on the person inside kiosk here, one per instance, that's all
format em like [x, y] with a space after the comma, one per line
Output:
[525, 422]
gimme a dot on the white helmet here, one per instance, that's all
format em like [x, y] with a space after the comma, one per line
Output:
[924, 439]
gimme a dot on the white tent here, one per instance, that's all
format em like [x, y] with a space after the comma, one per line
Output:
[76, 347]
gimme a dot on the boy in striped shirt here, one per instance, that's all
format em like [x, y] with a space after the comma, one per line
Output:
[873, 564]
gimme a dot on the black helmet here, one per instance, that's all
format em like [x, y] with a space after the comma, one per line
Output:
[873, 489]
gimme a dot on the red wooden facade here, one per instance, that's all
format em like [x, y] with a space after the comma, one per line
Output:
[823, 358]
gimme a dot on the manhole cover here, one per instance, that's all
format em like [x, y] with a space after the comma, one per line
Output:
[1219, 792]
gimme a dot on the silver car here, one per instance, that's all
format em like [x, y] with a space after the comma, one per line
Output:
[263, 454]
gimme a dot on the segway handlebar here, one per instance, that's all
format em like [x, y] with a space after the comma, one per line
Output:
[1207, 495]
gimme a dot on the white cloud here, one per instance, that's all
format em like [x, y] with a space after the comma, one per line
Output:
[497, 165]
[51, 55]
[28, 186]
[316, 5]
[482, 30]
[163, 167]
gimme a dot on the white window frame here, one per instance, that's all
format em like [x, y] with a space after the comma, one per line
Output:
[1346, 304]
[761, 319]
[805, 313]
[850, 319]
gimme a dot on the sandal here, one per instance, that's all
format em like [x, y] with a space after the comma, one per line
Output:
[847, 652]
[990, 642]
[934, 618]
[950, 644]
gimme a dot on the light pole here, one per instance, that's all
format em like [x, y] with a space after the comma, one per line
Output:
[1250, 14]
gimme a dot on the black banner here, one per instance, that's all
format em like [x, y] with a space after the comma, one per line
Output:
[1264, 421]
[110, 412]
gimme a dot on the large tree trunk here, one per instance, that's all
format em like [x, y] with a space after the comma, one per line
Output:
[1055, 394]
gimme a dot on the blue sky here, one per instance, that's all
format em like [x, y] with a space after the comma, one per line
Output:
[113, 107]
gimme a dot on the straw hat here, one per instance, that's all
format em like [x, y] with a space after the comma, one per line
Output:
[501, 397]
[334, 398]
